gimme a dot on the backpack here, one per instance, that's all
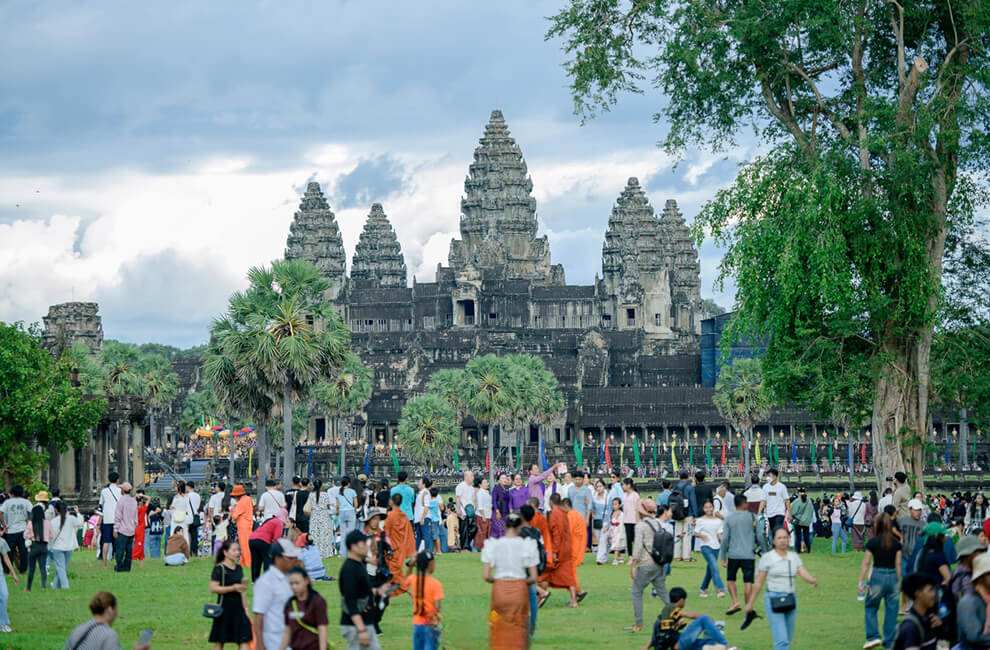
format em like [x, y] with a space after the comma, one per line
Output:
[662, 549]
[530, 532]
[678, 504]
[664, 636]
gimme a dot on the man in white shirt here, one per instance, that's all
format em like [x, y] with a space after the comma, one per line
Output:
[214, 507]
[271, 593]
[886, 500]
[195, 501]
[774, 502]
[464, 492]
[14, 515]
[567, 487]
[109, 496]
[271, 501]
[723, 501]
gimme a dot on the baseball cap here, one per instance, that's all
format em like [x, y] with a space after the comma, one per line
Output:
[283, 547]
[934, 528]
[915, 504]
[354, 537]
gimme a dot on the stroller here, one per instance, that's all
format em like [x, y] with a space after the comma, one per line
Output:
[469, 528]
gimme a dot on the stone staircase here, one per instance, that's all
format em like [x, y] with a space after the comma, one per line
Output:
[196, 473]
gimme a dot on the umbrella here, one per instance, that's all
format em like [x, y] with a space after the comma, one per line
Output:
[217, 428]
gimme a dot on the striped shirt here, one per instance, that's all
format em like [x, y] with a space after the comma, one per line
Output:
[92, 635]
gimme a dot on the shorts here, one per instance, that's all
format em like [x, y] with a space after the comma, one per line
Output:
[746, 566]
[106, 534]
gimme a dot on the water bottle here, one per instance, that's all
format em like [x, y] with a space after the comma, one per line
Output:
[861, 592]
[943, 611]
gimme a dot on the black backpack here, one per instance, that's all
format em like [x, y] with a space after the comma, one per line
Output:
[662, 550]
[531, 532]
[665, 636]
[678, 505]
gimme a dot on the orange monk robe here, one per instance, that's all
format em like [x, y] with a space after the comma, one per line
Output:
[579, 541]
[539, 522]
[242, 515]
[403, 542]
[562, 575]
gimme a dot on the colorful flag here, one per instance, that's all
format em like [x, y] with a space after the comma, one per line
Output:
[457, 460]
[636, 453]
[673, 458]
[395, 458]
[578, 453]
[757, 451]
[543, 457]
[309, 462]
[487, 462]
[948, 446]
[814, 449]
[862, 453]
[742, 467]
[655, 455]
[690, 454]
[708, 454]
[622, 453]
[849, 453]
[793, 451]
[250, 458]
[723, 453]
[367, 458]
[608, 457]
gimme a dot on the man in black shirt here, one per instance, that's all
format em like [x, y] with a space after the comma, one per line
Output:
[702, 491]
[917, 630]
[356, 596]
[298, 506]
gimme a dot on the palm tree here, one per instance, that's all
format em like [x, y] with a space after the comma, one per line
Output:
[742, 398]
[544, 402]
[489, 396]
[284, 337]
[159, 382]
[427, 429]
[344, 397]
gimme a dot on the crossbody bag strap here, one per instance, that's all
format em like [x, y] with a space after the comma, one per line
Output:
[305, 626]
[85, 636]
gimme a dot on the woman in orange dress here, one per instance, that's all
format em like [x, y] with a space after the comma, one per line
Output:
[242, 514]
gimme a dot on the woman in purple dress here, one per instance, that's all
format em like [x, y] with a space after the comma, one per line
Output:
[518, 494]
[500, 505]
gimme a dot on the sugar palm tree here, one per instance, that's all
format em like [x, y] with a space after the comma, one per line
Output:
[344, 397]
[427, 429]
[742, 398]
[160, 384]
[489, 396]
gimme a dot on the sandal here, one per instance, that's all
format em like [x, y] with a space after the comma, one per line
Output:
[581, 596]
[732, 610]
[543, 600]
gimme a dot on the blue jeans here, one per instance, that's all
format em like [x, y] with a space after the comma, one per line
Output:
[711, 573]
[690, 638]
[424, 637]
[154, 545]
[534, 607]
[883, 587]
[426, 534]
[4, 596]
[781, 625]
[348, 521]
[441, 533]
[838, 530]
[62, 559]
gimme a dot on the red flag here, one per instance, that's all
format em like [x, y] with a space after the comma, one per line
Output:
[486, 462]
[608, 458]
[863, 452]
[742, 456]
[723, 453]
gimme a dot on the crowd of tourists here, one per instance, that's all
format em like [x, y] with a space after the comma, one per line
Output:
[924, 556]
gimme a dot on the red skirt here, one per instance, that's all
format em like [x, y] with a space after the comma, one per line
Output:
[137, 551]
[484, 525]
[508, 618]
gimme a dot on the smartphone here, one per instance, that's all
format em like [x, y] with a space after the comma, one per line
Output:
[145, 637]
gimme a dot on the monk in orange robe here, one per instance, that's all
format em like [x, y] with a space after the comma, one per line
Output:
[561, 576]
[401, 537]
[578, 541]
[242, 514]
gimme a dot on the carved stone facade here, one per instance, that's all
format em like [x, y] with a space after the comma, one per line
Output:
[70, 322]
[314, 236]
[378, 260]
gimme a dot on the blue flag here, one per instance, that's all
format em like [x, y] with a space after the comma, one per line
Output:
[793, 452]
[367, 464]
[543, 458]
[309, 465]
[948, 446]
[602, 461]
[849, 453]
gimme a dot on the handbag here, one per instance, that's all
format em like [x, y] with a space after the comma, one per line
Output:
[787, 602]
[596, 524]
[308, 508]
[216, 611]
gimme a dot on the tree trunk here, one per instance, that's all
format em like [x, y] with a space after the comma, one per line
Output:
[900, 413]
[343, 447]
[264, 457]
[491, 456]
[288, 444]
[122, 464]
[231, 473]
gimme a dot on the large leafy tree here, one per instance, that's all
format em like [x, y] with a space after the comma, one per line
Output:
[39, 405]
[742, 398]
[428, 428]
[278, 339]
[876, 113]
[344, 397]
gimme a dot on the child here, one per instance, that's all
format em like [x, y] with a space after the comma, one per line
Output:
[427, 594]
[670, 631]
[305, 614]
[453, 527]
[617, 532]
[92, 535]
[310, 558]
[219, 532]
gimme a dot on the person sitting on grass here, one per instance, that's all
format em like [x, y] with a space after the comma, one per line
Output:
[176, 548]
[310, 558]
[670, 630]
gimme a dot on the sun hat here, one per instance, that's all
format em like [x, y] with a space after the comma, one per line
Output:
[968, 545]
[238, 491]
[934, 528]
[371, 513]
[301, 540]
[282, 515]
[125, 487]
[915, 504]
[981, 565]
[647, 507]
[284, 548]
[362, 477]
[858, 495]
[42, 496]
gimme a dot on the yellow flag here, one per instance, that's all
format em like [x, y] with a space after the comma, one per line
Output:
[756, 449]
[622, 449]
[673, 457]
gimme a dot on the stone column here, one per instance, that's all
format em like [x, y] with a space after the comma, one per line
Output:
[102, 469]
[123, 430]
[86, 467]
[66, 479]
[137, 439]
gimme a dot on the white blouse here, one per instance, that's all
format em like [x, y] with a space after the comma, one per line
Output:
[484, 499]
[510, 557]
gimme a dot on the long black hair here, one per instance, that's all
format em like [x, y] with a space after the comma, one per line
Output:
[38, 522]
[61, 509]
[423, 559]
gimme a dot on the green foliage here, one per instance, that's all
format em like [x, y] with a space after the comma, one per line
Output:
[961, 368]
[740, 395]
[711, 308]
[39, 406]
[198, 407]
[348, 392]
[428, 429]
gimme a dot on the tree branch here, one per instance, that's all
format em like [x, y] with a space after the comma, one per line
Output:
[782, 117]
[839, 126]
[899, 35]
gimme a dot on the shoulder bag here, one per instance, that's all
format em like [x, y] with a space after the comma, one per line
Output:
[308, 507]
[787, 602]
[216, 611]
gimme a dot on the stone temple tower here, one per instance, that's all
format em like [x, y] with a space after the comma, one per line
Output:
[498, 214]
[315, 237]
[378, 260]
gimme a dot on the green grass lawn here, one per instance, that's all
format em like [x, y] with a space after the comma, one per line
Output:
[170, 601]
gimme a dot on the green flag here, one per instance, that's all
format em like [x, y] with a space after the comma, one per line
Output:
[578, 453]
[830, 461]
[655, 456]
[457, 460]
[395, 458]
[518, 455]
[690, 454]
[708, 453]
[636, 454]
[814, 448]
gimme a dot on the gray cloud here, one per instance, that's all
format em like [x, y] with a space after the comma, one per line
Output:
[373, 179]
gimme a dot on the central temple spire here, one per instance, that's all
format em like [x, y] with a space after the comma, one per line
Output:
[498, 212]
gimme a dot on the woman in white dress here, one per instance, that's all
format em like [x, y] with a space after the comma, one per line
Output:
[181, 512]
[321, 520]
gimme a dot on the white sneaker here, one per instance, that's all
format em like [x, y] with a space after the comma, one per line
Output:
[872, 644]
[5, 628]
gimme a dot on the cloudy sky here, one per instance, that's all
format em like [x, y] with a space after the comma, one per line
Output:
[150, 153]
